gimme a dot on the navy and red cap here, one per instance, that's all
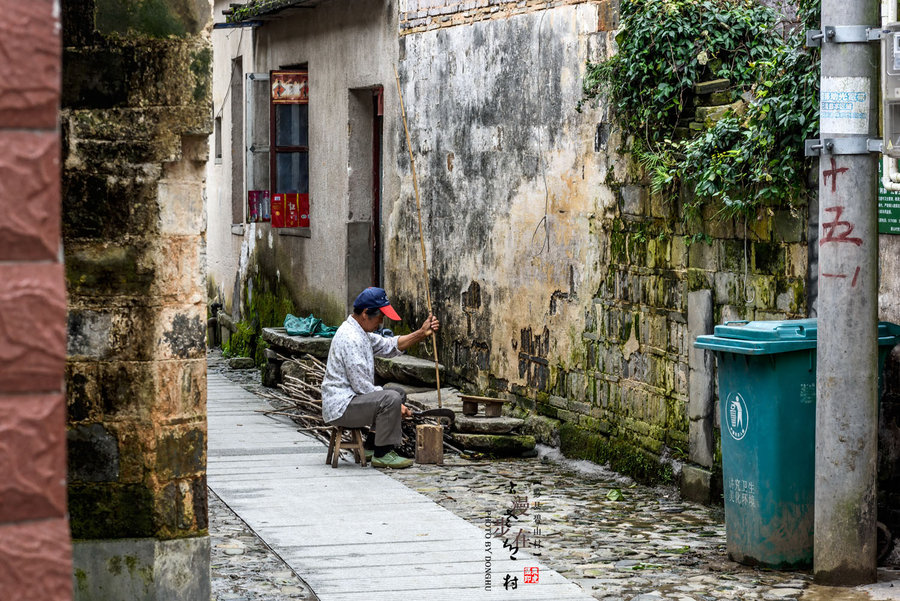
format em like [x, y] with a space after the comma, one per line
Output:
[375, 298]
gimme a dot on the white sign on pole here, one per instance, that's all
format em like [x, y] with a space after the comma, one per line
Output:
[844, 105]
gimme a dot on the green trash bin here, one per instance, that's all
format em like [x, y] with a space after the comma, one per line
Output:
[767, 402]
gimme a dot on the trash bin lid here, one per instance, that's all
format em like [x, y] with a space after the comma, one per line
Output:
[768, 337]
[761, 337]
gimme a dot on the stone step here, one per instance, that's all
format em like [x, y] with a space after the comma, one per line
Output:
[408, 388]
[500, 444]
[487, 425]
[449, 399]
[708, 87]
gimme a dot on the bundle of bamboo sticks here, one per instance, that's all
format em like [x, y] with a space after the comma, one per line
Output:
[301, 400]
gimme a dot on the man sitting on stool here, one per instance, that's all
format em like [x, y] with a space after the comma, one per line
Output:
[349, 395]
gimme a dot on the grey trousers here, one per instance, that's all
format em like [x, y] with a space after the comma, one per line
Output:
[380, 410]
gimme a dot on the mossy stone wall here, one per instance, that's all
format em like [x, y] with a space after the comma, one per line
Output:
[560, 277]
[637, 338]
[135, 118]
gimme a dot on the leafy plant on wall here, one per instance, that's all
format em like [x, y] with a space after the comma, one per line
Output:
[752, 155]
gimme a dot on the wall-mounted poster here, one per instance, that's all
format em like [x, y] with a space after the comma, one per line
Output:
[278, 210]
[290, 87]
[888, 206]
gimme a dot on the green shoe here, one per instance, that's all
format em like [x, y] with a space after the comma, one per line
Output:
[369, 454]
[392, 460]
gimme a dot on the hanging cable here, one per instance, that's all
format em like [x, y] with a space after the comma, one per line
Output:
[544, 220]
[218, 113]
[749, 292]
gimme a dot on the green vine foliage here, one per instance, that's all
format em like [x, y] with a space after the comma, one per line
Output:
[754, 155]
[253, 8]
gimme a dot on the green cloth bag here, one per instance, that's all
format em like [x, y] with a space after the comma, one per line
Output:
[308, 326]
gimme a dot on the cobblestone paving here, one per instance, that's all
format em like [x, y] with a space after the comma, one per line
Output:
[243, 567]
[646, 546]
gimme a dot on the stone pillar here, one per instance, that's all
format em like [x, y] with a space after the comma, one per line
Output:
[136, 117]
[696, 482]
[35, 550]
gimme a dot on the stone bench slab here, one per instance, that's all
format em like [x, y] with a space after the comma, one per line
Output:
[279, 339]
[404, 369]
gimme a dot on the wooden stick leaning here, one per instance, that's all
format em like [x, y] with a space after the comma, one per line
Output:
[412, 162]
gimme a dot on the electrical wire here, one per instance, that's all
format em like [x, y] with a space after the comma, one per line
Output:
[544, 220]
[218, 113]
[749, 292]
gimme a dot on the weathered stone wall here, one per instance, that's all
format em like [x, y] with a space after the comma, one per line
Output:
[562, 282]
[650, 390]
[135, 121]
[35, 550]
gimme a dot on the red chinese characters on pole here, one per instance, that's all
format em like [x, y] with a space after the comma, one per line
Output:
[843, 276]
[837, 230]
[833, 173]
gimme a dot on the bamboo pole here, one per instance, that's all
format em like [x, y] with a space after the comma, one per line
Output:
[412, 162]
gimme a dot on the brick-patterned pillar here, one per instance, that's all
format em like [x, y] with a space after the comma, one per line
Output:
[35, 551]
[136, 115]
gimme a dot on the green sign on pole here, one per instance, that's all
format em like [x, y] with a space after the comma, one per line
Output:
[888, 207]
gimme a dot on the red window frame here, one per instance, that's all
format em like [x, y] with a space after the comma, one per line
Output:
[287, 86]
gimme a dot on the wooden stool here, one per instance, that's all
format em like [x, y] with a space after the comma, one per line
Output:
[492, 407]
[355, 445]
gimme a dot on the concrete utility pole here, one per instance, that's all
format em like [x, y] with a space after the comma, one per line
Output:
[846, 378]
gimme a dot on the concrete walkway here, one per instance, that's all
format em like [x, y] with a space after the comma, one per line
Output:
[352, 532]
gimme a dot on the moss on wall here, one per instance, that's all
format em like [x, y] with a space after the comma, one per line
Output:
[268, 303]
[621, 456]
[110, 511]
[241, 342]
[201, 65]
[268, 306]
[150, 18]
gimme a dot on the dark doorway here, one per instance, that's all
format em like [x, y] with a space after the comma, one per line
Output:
[364, 243]
[377, 119]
